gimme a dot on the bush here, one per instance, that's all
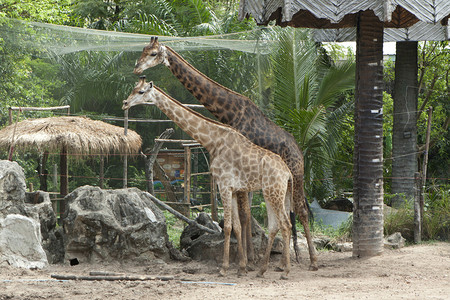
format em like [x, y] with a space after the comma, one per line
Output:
[436, 218]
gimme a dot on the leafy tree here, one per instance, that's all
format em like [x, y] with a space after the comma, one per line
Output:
[308, 100]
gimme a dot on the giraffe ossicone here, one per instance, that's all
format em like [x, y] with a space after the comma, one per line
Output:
[237, 165]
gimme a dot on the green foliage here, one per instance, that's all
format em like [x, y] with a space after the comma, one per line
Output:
[309, 101]
[433, 90]
[436, 219]
[49, 11]
[342, 233]
[174, 228]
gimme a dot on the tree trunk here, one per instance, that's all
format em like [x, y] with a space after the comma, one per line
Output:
[43, 172]
[368, 155]
[150, 158]
[168, 188]
[404, 140]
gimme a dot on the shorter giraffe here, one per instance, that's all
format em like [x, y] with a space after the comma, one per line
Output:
[237, 165]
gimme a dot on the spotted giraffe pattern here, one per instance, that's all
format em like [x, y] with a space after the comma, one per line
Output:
[237, 165]
[242, 114]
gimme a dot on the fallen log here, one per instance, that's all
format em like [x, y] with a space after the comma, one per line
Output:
[179, 215]
[112, 278]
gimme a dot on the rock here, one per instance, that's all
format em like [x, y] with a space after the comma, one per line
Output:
[12, 188]
[340, 204]
[20, 245]
[111, 225]
[394, 241]
[343, 247]
[37, 205]
[203, 246]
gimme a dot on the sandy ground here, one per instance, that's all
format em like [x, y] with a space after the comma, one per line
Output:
[414, 272]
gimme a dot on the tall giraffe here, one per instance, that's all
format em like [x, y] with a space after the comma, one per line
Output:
[242, 114]
[237, 165]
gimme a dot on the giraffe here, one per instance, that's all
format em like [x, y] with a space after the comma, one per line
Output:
[237, 165]
[242, 114]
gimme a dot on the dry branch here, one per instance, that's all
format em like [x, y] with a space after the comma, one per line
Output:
[180, 216]
[112, 278]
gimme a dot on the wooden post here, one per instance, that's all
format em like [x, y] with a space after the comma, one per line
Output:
[102, 171]
[125, 157]
[195, 179]
[214, 214]
[187, 179]
[43, 173]
[64, 178]
[417, 211]
[55, 177]
[425, 161]
[10, 115]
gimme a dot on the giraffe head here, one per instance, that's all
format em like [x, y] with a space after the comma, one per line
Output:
[142, 93]
[152, 55]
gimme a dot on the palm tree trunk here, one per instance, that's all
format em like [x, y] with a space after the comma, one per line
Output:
[368, 155]
[404, 140]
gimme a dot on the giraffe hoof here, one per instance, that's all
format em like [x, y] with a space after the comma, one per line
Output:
[222, 273]
[250, 268]
[313, 268]
[284, 277]
[241, 273]
[279, 269]
[260, 275]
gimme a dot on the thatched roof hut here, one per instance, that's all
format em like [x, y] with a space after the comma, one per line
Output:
[78, 135]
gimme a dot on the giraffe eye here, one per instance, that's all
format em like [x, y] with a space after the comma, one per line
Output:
[141, 92]
[153, 54]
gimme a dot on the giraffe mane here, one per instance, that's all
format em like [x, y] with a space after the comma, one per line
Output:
[204, 76]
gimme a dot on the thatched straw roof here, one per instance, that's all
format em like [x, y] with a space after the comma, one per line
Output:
[78, 134]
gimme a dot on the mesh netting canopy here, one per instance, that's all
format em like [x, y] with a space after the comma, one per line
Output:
[58, 39]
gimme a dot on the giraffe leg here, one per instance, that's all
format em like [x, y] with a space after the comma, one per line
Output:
[250, 248]
[240, 236]
[285, 231]
[227, 215]
[246, 221]
[301, 209]
[294, 236]
[303, 215]
[273, 229]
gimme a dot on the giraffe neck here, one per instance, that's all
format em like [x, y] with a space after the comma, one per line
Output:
[200, 128]
[225, 104]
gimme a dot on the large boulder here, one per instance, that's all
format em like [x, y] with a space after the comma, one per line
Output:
[37, 205]
[20, 245]
[203, 246]
[110, 225]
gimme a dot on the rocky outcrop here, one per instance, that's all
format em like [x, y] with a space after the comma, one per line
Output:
[209, 247]
[20, 243]
[111, 225]
[14, 200]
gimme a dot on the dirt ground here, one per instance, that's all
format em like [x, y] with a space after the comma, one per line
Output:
[414, 272]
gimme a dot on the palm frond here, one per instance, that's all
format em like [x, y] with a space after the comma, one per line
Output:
[336, 80]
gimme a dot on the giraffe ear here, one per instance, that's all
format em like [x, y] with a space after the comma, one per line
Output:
[150, 84]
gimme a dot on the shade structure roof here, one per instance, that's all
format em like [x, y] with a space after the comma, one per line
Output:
[79, 135]
[404, 20]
